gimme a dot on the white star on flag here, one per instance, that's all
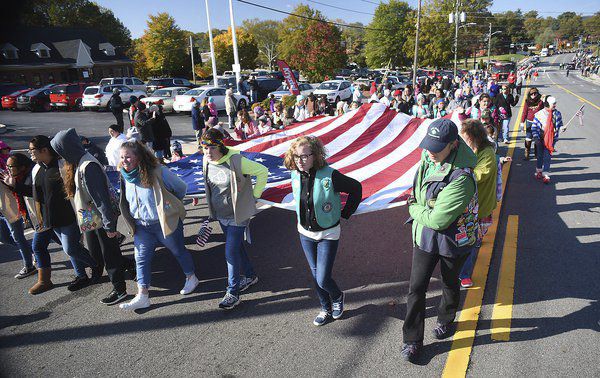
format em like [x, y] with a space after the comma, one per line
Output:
[259, 159]
[174, 168]
[195, 161]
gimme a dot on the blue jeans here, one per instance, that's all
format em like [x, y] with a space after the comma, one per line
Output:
[505, 128]
[467, 268]
[543, 156]
[17, 238]
[236, 257]
[80, 257]
[40, 243]
[5, 236]
[320, 255]
[145, 241]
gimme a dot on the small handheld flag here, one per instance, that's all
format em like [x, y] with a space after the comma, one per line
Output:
[204, 233]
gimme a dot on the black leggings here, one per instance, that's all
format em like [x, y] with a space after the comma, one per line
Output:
[423, 264]
[107, 252]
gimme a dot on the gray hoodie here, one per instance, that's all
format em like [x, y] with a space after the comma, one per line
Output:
[68, 145]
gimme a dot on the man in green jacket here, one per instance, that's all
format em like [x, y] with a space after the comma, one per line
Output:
[443, 210]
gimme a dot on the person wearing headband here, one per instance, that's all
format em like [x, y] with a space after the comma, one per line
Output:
[231, 199]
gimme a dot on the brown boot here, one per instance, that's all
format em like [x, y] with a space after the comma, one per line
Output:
[527, 149]
[44, 283]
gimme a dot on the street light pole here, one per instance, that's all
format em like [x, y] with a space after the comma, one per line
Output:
[192, 55]
[489, 43]
[456, 21]
[236, 60]
[414, 80]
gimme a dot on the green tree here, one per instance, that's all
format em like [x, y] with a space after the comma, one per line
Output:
[313, 47]
[591, 27]
[512, 25]
[570, 25]
[266, 34]
[546, 37]
[388, 34]
[353, 40]
[164, 46]
[247, 49]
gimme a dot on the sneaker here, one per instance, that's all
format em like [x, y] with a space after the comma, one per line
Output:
[322, 318]
[190, 285]
[26, 272]
[229, 301]
[139, 301]
[246, 282]
[410, 351]
[78, 283]
[114, 297]
[466, 282]
[442, 331]
[538, 175]
[338, 307]
[505, 141]
[546, 179]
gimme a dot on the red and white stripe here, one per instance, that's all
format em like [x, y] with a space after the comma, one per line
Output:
[373, 144]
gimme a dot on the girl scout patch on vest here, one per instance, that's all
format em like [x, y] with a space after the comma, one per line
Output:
[327, 206]
[326, 183]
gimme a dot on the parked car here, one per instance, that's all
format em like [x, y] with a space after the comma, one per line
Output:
[279, 75]
[265, 86]
[283, 90]
[97, 97]
[335, 90]
[226, 81]
[68, 96]
[9, 101]
[259, 73]
[184, 102]
[8, 88]
[37, 99]
[132, 82]
[167, 82]
[164, 97]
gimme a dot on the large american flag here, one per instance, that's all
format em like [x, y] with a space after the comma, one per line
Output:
[372, 144]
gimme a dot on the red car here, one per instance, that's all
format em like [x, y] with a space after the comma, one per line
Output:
[68, 96]
[10, 101]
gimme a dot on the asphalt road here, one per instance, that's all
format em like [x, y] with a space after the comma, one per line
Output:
[555, 314]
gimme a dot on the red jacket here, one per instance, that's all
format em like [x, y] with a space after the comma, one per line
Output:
[529, 112]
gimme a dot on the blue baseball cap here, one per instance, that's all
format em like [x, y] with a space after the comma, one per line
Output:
[439, 133]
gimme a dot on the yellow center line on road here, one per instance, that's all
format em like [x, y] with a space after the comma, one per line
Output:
[462, 342]
[574, 94]
[502, 312]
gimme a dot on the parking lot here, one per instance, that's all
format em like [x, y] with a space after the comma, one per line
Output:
[21, 126]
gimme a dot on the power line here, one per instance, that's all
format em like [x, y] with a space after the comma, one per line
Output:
[340, 8]
[310, 18]
[370, 2]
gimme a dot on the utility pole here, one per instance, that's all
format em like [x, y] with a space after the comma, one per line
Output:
[192, 55]
[212, 46]
[414, 80]
[236, 60]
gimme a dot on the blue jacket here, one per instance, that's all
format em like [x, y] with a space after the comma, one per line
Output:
[197, 118]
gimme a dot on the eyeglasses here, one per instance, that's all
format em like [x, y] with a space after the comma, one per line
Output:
[12, 166]
[304, 158]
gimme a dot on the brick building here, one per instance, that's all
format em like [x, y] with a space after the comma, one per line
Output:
[37, 56]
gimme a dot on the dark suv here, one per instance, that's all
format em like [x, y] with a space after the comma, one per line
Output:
[155, 84]
[266, 86]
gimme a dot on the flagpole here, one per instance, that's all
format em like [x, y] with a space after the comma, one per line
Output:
[212, 47]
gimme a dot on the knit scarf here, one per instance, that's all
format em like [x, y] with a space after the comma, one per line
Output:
[549, 133]
[132, 177]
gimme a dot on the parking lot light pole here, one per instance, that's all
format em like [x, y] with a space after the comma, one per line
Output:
[490, 42]
[415, 60]
[212, 46]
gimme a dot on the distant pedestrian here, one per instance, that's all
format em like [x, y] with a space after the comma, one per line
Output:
[94, 150]
[316, 189]
[253, 84]
[230, 108]
[197, 120]
[116, 106]
[504, 103]
[144, 124]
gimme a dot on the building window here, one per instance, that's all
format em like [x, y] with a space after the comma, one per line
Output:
[37, 80]
[51, 78]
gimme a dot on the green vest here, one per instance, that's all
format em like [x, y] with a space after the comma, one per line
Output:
[326, 201]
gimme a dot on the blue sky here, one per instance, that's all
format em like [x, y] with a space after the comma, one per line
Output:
[191, 14]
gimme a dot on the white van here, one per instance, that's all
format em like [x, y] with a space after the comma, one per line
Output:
[132, 82]
[544, 52]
